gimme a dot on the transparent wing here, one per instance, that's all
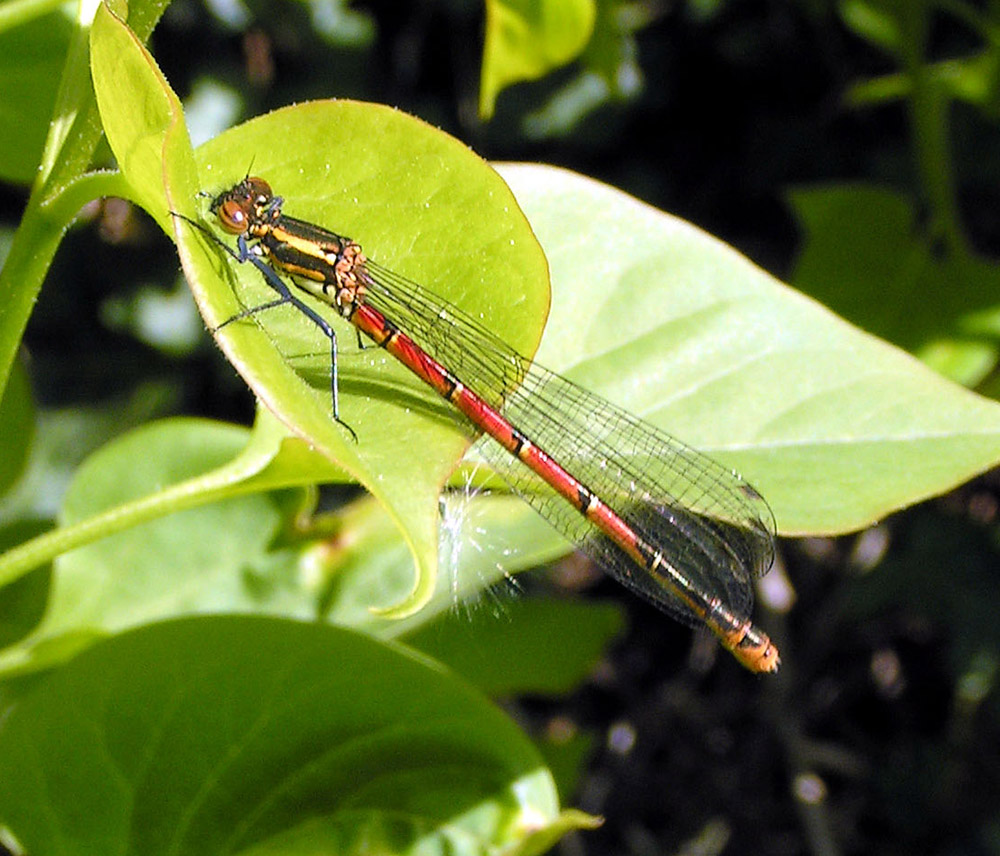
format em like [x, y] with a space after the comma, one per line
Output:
[713, 527]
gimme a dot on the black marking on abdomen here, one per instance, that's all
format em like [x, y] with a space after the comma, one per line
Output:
[520, 441]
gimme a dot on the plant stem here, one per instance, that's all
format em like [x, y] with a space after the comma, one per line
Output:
[929, 109]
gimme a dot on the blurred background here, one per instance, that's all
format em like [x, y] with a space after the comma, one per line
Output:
[850, 148]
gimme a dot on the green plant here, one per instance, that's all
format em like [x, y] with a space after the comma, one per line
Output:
[870, 250]
[268, 735]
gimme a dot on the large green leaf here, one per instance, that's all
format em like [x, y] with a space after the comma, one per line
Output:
[196, 560]
[249, 735]
[835, 427]
[418, 201]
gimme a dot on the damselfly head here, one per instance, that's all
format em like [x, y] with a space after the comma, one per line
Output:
[242, 205]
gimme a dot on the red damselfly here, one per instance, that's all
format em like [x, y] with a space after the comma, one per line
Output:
[662, 518]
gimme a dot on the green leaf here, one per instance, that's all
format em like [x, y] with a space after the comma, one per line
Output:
[532, 646]
[251, 735]
[836, 428]
[873, 21]
[63, 438]
[32, 54]
[141, 116]
[418, 201]
[612, 51]
[864, 257]
[213, 558]
[526, 39]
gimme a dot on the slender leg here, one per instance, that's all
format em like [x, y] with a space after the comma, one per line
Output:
[286, 296]
[246, 254]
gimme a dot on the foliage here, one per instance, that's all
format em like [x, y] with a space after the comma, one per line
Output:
[170, 678]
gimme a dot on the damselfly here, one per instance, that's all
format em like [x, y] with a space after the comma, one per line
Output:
[662, 518]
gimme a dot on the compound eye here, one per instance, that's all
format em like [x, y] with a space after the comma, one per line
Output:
[259, 189]
[233, 218]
